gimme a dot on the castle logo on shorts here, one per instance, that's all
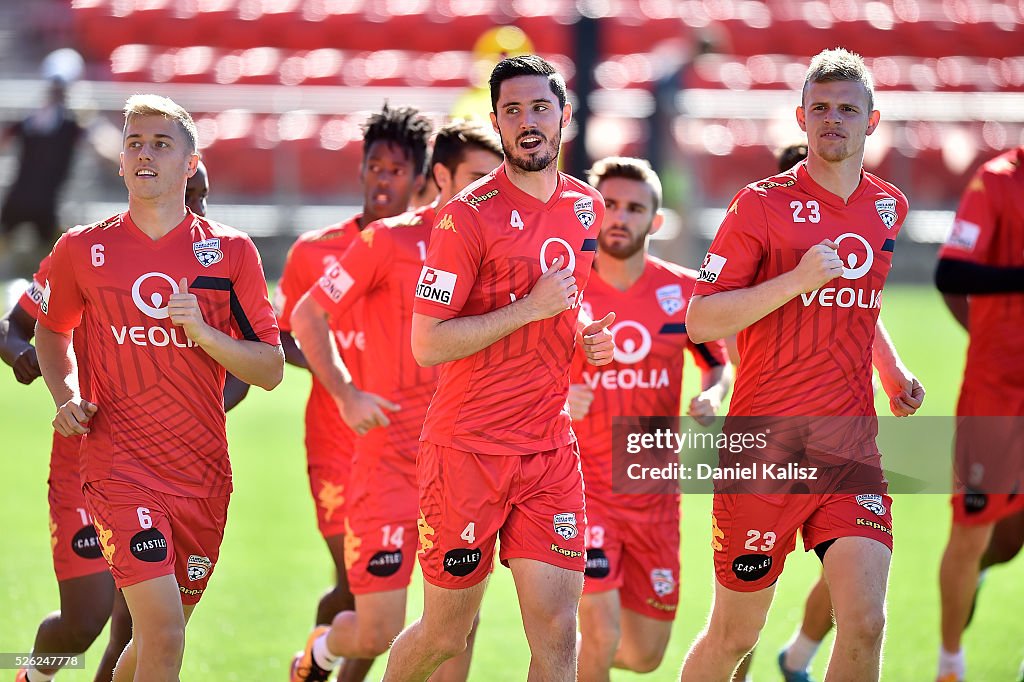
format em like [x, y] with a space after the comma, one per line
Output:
[198, 566]
[565, 525]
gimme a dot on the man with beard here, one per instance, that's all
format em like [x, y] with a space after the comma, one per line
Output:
[631, 588]
[797, 268]
[394, 161]
[498, 307]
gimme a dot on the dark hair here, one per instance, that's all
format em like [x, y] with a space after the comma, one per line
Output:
[527, 65]
[455, 139]
[627, 168]
[404, 127]
[791, 155]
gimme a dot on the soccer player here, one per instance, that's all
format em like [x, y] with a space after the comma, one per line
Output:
[83, 579]
[168, 302]
[393, 166]
[631, 588]
[498, 308]
[381, 270]
[981, 276]
[797, 268]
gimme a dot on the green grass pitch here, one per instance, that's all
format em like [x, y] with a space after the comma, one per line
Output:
[274, 565]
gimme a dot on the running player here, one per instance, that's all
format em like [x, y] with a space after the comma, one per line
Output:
[381, 270]
[981, 276]
[498, 307]
[631, 588]
[394, 161]
[797, 268]
[83, 579]
[168, 301]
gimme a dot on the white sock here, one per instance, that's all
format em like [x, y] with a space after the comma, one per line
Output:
[323, 656]
[34, 675]
[951, 663]
[800, 651]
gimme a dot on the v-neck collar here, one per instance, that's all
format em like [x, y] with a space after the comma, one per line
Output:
[825, 196]
[521, 197]
[137, 232]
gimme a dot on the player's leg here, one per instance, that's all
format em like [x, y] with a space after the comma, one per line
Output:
[124, 670]
[548, 598]
[120, 635]
[1006, 542]
[600, 632]
[795, 658]
[438, 635]
[644, 641]
[958, 580]
[158, 632]
[85, 604]
[857, 570]
[732, 630]
[369, 630]
[456, 668]
[339, 597]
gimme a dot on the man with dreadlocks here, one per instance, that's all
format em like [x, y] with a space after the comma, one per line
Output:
[394, 161]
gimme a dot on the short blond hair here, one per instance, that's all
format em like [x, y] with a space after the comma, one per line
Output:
[156, 105]
[839, 64]
[627, 168]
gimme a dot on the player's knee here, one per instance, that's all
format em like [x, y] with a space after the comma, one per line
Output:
[645, 661]
[736, 638]
[161, 643]
[866, 624]
[601, 637]
[82, 628]
[449, 644]
[375, 641]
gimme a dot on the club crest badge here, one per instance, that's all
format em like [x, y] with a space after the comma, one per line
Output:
[198, 567]
[565, 525]
[886, 211]
[670, 298]
[208, 252]
[584, 209]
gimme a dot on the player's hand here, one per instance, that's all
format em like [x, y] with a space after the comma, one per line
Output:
[183, 309]
[26, 366]
[580, 398]
[363, 411]
[704, 408]
[906, 394]
[598, 342]
[819, 265]
[553, 293]
[73, 416]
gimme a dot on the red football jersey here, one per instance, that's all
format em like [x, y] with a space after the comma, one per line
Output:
[312, 253]
[160, 422]
[812, 356]
[380, 271]
[644, 380]
[64, 461]
[489, 246]
[989, 230]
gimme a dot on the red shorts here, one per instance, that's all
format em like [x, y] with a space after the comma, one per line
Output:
[640, 560]
[380, 538]
[976, 509]
[146, 534]
[329, 447]
[76, 549]
[535, 501]
[327, 483]
[753, 534]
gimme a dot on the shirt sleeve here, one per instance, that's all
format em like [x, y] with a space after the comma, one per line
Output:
[251, 312]
[290, 287]
[453, 263]
[736, 253]
[973, 231]
[61, 303]
[359, 270]
[33, 296]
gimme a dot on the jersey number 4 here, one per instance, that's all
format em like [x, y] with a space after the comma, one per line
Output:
[515, 220]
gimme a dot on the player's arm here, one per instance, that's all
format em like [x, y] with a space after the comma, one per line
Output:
[361, 410]
[235, 391]
[435, 341]
[16, 330]
[59, 368]
[716, 375]
[254, 362]
[292, 353]
[904, 390]
[722, 314]
[959, 305]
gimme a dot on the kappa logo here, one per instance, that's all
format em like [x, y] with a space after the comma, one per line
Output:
[584, 209]
[565, 525]
[670, 298]
[663, 582]
[367, 236]
[208, 251]
[873, 503]
[447, 223]
[475, 201]
[198, 567]
[886, 211]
